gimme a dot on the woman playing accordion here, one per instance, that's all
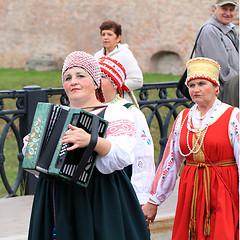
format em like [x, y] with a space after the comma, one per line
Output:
[108, 207]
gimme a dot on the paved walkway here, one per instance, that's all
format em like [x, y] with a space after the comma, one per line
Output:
[15, 215]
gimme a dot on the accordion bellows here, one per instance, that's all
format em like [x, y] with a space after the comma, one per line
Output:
[45, 152]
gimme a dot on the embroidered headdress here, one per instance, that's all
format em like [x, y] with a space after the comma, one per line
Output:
[203, 68]
[89, 64]
[115, 71]
[85, 61]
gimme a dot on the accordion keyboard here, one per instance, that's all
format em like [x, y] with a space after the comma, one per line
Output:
[71, 159]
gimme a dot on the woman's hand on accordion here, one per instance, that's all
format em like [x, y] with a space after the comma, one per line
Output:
[80, 139]
[77, 136]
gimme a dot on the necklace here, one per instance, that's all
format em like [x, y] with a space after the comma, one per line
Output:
[210, 114]
[116, 98]
[191, 150]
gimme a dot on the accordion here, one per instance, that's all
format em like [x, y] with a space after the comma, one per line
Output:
[45, 152]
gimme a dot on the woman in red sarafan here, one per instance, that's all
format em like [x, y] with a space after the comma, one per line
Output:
[206, 137]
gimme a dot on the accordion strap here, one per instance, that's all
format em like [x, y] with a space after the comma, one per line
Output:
[88, 151]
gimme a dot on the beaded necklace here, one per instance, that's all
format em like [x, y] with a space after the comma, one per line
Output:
[116, 98]
[190, 128]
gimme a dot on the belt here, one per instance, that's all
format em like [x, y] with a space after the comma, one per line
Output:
[206, 179]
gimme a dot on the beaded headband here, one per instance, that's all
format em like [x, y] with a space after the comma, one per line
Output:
[85, 61]
[203, 68]
[115, 71]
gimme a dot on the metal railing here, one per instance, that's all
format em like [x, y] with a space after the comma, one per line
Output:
[160, 111]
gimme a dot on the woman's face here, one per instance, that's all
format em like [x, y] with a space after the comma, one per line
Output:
[78, 85]
[110, 39]
[202, 92]
[109, 92]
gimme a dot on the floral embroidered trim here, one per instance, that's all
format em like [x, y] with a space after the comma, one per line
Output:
[168, 167]
[236, 127]
[144, 137]
[121, 127]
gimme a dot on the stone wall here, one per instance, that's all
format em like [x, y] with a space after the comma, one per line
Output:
[160, 33]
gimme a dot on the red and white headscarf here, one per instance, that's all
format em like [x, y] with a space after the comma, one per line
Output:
[115, 71]
[85, 61]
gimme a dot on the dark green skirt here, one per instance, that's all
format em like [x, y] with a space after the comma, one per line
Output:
[107, 209]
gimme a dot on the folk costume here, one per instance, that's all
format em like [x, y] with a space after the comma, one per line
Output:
[142, 171]
[208, 198]
[108, 207]
[134, 77]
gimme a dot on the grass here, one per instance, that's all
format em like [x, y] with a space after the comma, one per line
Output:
[17, 79]
[154, 77]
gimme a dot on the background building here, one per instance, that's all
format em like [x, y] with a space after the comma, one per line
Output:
[38, 34]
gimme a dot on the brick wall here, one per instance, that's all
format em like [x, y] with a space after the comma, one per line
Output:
[38, 29]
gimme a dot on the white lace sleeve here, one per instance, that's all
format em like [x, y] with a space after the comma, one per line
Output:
[143, 168]
[121, 133]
